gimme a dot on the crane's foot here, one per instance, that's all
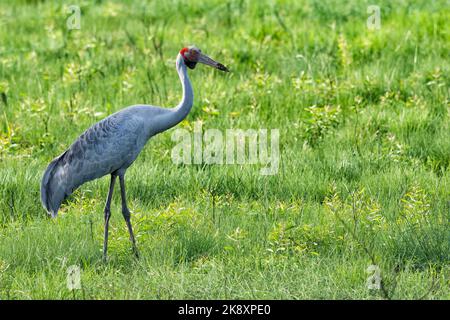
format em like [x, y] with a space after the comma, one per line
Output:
[136, 252]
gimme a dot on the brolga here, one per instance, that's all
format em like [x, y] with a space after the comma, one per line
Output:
[111, 146]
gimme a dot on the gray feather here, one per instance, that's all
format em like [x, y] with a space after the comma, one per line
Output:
[108, 146]
[111, 145]
[50, 198]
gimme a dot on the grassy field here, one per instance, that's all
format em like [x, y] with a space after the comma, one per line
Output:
[364, 175]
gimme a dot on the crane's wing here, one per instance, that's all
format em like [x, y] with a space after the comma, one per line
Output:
[106, 147]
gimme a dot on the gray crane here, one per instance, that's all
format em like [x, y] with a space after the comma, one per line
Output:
[111, 145]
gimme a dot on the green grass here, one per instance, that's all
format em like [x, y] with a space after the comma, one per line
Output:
[364, 139]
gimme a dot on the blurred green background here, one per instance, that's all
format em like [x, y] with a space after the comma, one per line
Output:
[364, 140]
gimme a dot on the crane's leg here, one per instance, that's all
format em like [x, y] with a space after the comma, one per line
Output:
[108, 214]
[126, 213]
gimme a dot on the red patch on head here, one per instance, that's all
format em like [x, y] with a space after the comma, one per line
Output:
[183, 51]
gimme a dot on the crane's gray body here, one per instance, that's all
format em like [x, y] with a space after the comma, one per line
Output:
[110, 145]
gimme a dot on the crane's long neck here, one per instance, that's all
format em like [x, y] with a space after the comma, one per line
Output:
[178, 113]
[184, 107]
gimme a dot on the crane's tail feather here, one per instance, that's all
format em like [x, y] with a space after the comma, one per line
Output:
[53, 189]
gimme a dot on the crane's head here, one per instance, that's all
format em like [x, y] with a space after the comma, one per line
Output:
[193, 55]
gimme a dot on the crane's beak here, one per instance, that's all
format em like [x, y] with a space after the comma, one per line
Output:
[203, 58]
